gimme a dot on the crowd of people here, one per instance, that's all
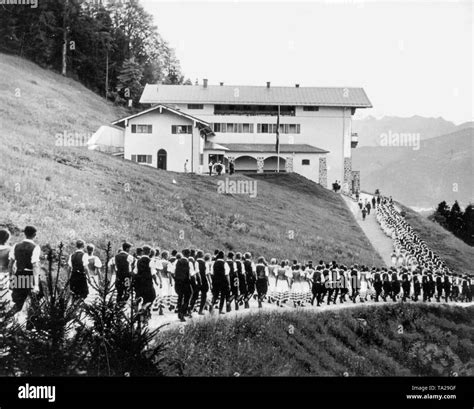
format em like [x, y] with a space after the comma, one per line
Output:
[192, 281]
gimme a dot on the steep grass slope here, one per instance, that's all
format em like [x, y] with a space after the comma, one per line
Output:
[70, 192]
[458, 255]
[389, 340]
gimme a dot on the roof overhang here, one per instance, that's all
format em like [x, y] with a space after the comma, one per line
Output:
[122, 122]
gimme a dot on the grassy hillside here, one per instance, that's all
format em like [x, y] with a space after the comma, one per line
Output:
[440, 170]
[458, 255]
[390, 340]
[70, 192]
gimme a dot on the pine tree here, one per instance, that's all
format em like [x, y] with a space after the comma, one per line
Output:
[129, 80]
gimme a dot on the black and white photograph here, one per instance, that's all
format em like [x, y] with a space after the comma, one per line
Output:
[236, 204]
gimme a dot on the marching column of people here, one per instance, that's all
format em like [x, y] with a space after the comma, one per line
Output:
[193, 281]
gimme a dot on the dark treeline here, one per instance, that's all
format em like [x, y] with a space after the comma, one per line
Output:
[112, 47]
[460, 223]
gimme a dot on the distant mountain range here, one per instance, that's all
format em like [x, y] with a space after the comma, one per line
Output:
[439, 168]
[372, 130]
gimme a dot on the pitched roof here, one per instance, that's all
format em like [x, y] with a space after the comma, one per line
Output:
[162, 106]
[270, 147]
[255, 95]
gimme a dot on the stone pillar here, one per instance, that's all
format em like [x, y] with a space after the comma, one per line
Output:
[289, 164]
[356, 179]
[347, 182]
[323, 172]
[260, 160]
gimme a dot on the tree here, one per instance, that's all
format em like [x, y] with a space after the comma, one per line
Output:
[441, 214]
[468, 223]
[454, 219]
[129, 80]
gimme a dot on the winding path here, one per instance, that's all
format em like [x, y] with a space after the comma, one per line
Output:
[382, 243]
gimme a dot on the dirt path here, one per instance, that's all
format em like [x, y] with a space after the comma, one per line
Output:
[382, 243]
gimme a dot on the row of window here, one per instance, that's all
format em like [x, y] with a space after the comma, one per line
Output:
[284, 128]
[226, 128]
[235, 128]
[261, 128]
[256, 109]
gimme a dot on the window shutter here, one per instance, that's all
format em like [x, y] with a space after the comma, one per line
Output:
[173, 129]
[150, 128]
[298, 128]
[148, 158]
[190, 129]
[134, 157]
[134, 129]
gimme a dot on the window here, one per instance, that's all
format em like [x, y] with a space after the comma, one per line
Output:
[284, 128]
[180, 129]
[232, 127]
[310, 108]
[142, 128]
[141, 158]
[305, 162]
[195, 106]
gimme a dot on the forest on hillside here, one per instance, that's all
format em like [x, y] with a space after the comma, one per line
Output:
[113, 48]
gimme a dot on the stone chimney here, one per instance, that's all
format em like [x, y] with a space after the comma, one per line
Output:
[204, 82]
[268, 84]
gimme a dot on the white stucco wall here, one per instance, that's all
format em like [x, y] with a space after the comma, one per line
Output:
[179, 147]
[326, 129]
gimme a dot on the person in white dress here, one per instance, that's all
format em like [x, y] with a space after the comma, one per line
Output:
[282, 283]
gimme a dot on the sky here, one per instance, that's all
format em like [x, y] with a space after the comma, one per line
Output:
[412, 58]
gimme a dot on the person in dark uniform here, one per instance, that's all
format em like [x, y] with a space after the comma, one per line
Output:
[144, 279]
[204, 280]
[327, 285]
[344, 283]
[377, 285]
[195, 282]
[364, 212]
[355, 283]
[368, 207]
[242, 277]
[78, 270]
[447, 287]
[220, 282]
[431, 285]
[386, 285]
[439, 287]
[231, 167]
[425, 287]
[182, 283]
[316, 286]
[23, 266]
[262, 280]
[250, 278]
[122, 264]
[373, 202]
[466, 289]
[395, 285]
[416, 286]
[234, 282]
[405, 285]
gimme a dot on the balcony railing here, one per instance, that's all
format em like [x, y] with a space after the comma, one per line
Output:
[354, 139]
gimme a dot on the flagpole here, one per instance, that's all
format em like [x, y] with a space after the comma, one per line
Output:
[278, 140]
